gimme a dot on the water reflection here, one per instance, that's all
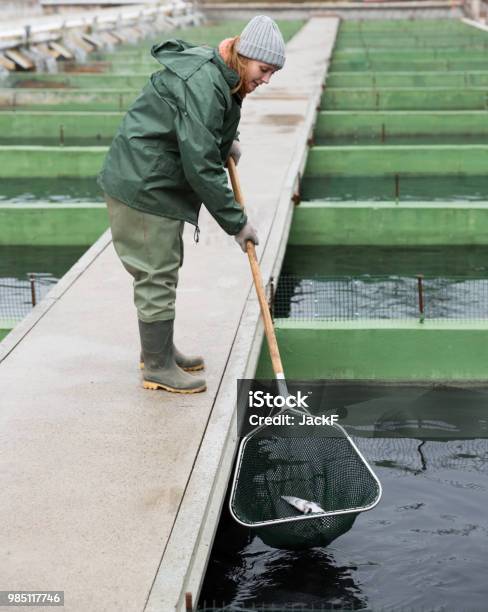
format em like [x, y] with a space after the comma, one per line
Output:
[258, 573]
[53, 190]
[380, 297]
[433, 188]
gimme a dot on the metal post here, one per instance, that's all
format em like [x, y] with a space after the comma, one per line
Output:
[420, 289]
[28, 30]
[32, 279]
[188, 602]
[271, 297]
[397, 187]
[296, 197]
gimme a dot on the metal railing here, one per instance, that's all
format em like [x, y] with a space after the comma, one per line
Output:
[345, 298]
[18, 297]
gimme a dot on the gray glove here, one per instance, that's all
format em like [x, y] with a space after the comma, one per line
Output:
[235, 151]
[247, 233]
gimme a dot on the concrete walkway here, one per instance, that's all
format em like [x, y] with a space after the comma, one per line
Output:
[110, 492]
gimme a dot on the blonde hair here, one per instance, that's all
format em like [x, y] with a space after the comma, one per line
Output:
[239, 64]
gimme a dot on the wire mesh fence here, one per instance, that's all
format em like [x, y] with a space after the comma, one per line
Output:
[345, 298]
[214, 607]
[19, 296]
[312, 607]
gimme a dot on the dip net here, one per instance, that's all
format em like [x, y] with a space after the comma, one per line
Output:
[308, 462]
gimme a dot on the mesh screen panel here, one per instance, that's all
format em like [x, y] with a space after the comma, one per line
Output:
[324, 298]
[16, 296]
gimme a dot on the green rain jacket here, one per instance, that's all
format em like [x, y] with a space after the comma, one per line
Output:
[168, 154]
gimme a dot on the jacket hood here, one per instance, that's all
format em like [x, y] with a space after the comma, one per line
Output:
[184, 59]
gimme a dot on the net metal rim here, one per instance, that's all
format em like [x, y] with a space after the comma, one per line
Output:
[305, 517]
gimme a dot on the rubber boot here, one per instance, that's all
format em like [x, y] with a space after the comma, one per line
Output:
[189, 364]
[161, 370]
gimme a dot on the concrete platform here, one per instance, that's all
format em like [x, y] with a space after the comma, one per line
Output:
[112, 493]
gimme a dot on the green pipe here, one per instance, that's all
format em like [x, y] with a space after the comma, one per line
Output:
[118, 66]
[82, 81]
[395, 55]
[383, 26]
[407, 79]
[381, 350]
[443, 260]
[405, 99]
[62, 99]
[384, 124]
[389, 224]
[403, 160]
[411, 48]
[60, 127]
[52, 224]
[406, 42]
[426, 65]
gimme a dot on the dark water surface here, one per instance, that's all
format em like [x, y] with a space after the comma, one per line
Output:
[424, 547]
[17, 261]
[53, 190]
[436, 188]
[377, 139]
[380, 297]
[443, 260]
[69, 141]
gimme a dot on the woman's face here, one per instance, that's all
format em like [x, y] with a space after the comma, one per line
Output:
[257, 73]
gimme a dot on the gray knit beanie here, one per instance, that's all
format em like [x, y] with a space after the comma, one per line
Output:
[261, 40]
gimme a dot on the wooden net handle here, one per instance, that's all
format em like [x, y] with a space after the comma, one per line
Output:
[258, 281]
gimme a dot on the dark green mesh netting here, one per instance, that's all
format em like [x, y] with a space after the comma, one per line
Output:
[319, 464]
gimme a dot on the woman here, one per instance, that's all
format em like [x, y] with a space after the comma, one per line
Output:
[167, 158]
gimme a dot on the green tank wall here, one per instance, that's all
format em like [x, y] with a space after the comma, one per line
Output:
[381, 350]
[52, 224]
[385, 124]
[389, 224]
[58, 126]
[407, 79]
[441, 98]
[367, 160]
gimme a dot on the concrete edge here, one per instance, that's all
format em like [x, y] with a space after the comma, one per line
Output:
[452, 325]
[330, 8]
[185, 559]
[476, 24]
[10, 341]
[398, 113]
[61, 113]
[49, 205]
[392, 204]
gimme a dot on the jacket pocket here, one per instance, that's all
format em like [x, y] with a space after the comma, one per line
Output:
[168, 164]
[163, 173]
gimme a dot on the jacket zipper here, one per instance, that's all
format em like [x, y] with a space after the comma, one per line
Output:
[196, 234]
